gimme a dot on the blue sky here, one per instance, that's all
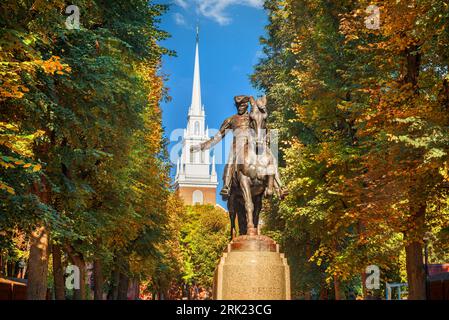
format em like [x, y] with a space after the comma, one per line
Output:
[229, 49]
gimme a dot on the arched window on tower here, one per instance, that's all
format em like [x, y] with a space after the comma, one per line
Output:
[197, 197]
[197, 128]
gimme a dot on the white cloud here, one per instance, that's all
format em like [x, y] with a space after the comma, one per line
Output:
[259, 55]
[179, 19]
[182, 3]
[216, 9]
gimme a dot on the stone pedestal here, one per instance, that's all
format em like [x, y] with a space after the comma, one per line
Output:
[252, 268]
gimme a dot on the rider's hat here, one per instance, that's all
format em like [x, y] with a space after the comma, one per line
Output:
[241, 99]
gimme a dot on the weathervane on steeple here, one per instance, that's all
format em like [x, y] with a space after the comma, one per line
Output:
[197, 22]
[197, 31]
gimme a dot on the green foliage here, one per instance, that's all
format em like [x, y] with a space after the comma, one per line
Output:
[204, 236]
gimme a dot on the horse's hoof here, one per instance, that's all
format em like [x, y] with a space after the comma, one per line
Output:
[252, 232]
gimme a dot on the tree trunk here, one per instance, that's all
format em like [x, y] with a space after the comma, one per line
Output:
[137, 290]
[38, 258]
[58, 272]
[414, 236]
[38, 265]
[415, 271]
[413, 63]
[364, 290]
[123, 287]
[339, 294]
[323, 293]
[98, 280]
[2, 268]
[113, 288]
[78, 260]
[81, 293]
[133, 289]
[9, 269]
[414, 253]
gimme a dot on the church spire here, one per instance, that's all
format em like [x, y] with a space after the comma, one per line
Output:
[196, 106]
[196, 178]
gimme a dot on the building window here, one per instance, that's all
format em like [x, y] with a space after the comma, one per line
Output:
[197, 197]
[192, 155]
[203, 156]
[197, 128]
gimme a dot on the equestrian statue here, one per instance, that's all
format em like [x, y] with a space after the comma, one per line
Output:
[251, 171]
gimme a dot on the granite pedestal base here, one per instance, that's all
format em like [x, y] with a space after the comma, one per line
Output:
[252, 268]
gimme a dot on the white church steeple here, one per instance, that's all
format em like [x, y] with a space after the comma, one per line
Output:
[196, 108]
[196, 178]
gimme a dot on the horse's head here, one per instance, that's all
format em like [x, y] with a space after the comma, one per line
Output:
[258, 117]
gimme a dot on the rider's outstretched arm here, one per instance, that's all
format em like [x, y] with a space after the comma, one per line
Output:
[217, 138]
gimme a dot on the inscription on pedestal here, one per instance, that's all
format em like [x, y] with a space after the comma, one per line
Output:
[268, 291]
[252, 269]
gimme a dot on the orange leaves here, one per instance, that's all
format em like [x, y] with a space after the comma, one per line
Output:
[11, 72]
[11, 86]
[7, 188]
[9, 162]
[53, 65]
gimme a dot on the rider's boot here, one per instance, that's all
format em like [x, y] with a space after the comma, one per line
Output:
[226, 190]
[252, 231]
[225, 193]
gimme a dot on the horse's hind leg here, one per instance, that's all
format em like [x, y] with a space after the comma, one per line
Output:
[232, 217]
[233, 211]
[249, 206]
[257, 209]
[241, 216]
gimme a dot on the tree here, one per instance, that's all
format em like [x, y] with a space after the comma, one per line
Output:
[406, 122]
[363, 163]
[81, 121]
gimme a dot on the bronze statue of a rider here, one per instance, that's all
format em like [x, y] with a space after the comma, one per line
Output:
[240, 125]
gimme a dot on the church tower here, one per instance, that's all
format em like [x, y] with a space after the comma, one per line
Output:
[196, 178]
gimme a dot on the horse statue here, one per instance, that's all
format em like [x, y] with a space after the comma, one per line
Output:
[254, 173]
[251, 172]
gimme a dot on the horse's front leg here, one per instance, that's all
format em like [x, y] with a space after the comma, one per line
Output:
[270, 186]
[269, 172]
[245, 185]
